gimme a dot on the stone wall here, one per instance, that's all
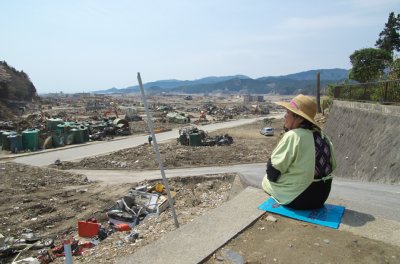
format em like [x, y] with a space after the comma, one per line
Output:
[366, 139]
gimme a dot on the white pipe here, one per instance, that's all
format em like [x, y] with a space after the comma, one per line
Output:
[156, 150]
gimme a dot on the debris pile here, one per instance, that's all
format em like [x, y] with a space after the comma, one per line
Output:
[58, 133]
[179, 118]
[138, 204]
[220, 140]
[192, 136]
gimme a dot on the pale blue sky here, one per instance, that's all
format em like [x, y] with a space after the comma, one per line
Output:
[87, 45]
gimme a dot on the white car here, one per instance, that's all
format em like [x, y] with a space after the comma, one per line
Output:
[267, 131]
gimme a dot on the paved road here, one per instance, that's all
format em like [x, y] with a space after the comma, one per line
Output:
[78, 152]
[381, 200]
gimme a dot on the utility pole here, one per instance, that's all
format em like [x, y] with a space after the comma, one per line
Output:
[318, 93]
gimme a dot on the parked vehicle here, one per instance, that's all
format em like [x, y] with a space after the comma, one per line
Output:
[267, 131]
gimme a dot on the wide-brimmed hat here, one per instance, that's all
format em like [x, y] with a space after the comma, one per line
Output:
[303, 106]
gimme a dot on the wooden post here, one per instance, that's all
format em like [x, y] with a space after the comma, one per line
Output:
[318, 93]
[385, 99]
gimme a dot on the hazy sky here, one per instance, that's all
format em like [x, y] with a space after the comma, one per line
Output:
[87, 45]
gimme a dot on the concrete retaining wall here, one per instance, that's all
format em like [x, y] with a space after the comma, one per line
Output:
[366, 139]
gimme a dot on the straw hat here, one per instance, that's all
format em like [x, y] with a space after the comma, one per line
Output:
[303, 106]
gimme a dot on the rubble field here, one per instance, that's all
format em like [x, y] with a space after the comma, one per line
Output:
[51, 201]
[249, 146]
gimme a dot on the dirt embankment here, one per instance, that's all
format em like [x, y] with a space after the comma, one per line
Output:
[366, 141]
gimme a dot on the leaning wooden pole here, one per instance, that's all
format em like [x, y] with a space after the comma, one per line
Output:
[318, 93]
[157, 151]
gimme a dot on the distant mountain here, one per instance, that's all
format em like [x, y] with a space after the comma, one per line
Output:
[331, 74]
[293, 83]
[170, 84]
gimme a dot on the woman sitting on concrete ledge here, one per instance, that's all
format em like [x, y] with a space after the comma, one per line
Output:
[300, 167]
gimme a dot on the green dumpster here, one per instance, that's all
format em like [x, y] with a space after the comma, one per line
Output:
[195, 140]
[69, 137]
[60, 129]
[78, 135]
[5, 142]
[1, 133]
[58, 140]
[30, 139]
[52, 123]
[85, 133]
[15, 143]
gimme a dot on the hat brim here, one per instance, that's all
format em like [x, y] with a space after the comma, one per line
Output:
[289, 107]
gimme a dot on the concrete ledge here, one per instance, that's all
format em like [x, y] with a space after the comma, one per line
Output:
[195, 241]
[370, 107]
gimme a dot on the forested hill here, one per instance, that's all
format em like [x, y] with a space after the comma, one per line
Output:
[304, 82]
[15, 85]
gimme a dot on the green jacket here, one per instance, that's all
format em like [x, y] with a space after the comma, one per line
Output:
[294, 157]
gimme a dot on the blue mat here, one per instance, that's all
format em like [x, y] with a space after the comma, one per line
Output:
[329, 215]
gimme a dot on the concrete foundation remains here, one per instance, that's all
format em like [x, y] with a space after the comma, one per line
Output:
[366, 141]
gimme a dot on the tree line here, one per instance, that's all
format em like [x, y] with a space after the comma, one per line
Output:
[379, 63]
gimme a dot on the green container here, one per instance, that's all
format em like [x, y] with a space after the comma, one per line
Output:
[1, 133]
[69, 137]
[85, 132]
[71, 124]
[15, 143]
[101, 126]
[30, 139]
[195, 140]
[58, 141]
[52, 123]
[5, 142]
[78, 136]
[60, 129]
[66, 127]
